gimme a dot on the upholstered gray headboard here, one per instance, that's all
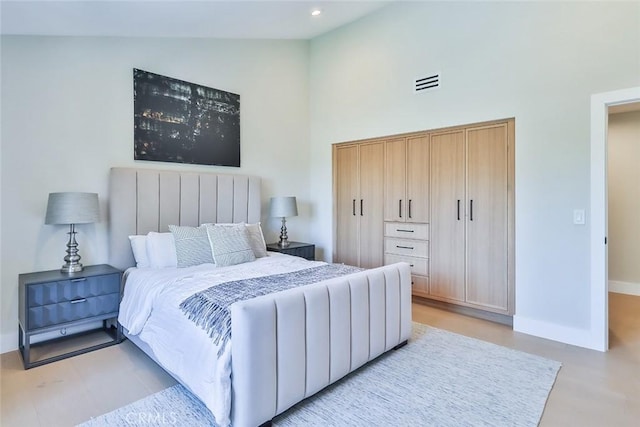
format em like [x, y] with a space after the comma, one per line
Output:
[143, 200]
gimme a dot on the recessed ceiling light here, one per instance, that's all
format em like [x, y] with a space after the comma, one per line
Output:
[316, 12]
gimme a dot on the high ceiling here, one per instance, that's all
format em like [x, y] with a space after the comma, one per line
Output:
[289, 19]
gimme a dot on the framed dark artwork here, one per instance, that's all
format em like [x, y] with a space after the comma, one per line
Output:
[182, 122]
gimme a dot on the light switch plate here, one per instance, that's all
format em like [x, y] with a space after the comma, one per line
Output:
[578, 216]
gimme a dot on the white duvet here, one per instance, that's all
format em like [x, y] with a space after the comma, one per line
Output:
[150, 309]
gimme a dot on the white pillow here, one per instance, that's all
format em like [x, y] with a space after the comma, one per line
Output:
[139, 248]
[256, 240]
[256, 237]
[161, 250]
[230, 244]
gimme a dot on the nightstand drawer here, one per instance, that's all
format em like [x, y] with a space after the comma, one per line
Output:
[68, 311]
[303, 250]
[42, 294]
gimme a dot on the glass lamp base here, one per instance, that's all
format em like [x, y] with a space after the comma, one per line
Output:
[72, 260]
[284, 239]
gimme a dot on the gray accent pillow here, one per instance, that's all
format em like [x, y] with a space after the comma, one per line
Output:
[230, 244]
[192, 245]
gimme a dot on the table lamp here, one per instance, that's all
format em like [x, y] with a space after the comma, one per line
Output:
[282, 207]
[72, 208]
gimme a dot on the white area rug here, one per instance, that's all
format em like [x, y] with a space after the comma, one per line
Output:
[438, 379]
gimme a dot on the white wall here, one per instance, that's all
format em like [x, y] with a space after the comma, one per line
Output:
[67, 117]
[624, 201]
[538, 62]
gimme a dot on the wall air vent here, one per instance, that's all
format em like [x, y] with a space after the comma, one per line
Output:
[428, 83]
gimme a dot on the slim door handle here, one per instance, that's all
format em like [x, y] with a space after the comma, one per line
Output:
[353, 206]
[400, 208]
[458, 209]
[409, 208]
[76, 301]
[361, 210]
[471, 210]
[404, 247]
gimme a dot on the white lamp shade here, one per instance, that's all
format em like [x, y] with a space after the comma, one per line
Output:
[283, 207]
[72, 208]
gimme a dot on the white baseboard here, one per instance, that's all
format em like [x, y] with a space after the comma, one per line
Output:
[624, 287]
[579, 337]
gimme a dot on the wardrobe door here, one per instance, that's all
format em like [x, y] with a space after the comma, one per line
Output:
[347, 196]
[487, 237]
[417, 179]
[447, 257]
[395, 173]
[370, 205]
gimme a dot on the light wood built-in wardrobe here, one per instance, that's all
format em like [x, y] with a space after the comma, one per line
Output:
[358, 169]
[441, 200]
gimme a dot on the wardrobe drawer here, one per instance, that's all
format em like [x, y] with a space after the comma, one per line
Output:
[419, 266]
[406, 230]
[420, 285]
[415, 248]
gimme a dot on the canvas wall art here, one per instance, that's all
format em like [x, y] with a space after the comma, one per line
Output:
[182, 122]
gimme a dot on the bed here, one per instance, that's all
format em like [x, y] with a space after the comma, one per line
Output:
[285, 346]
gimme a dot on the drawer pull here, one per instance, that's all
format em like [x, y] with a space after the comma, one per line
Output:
[410, 265]
[76, 301]
[404, 247]
[404, 231]
[82, 279]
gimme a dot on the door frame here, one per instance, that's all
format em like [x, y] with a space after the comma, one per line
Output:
[600, 104]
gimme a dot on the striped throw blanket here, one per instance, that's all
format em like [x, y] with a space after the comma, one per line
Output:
[210, 309]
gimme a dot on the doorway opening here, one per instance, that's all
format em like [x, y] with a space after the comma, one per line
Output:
[600, 109]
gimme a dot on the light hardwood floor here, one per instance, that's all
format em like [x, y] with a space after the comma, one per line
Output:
[592, 389]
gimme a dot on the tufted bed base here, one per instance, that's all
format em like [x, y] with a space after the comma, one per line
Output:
[290, 345]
